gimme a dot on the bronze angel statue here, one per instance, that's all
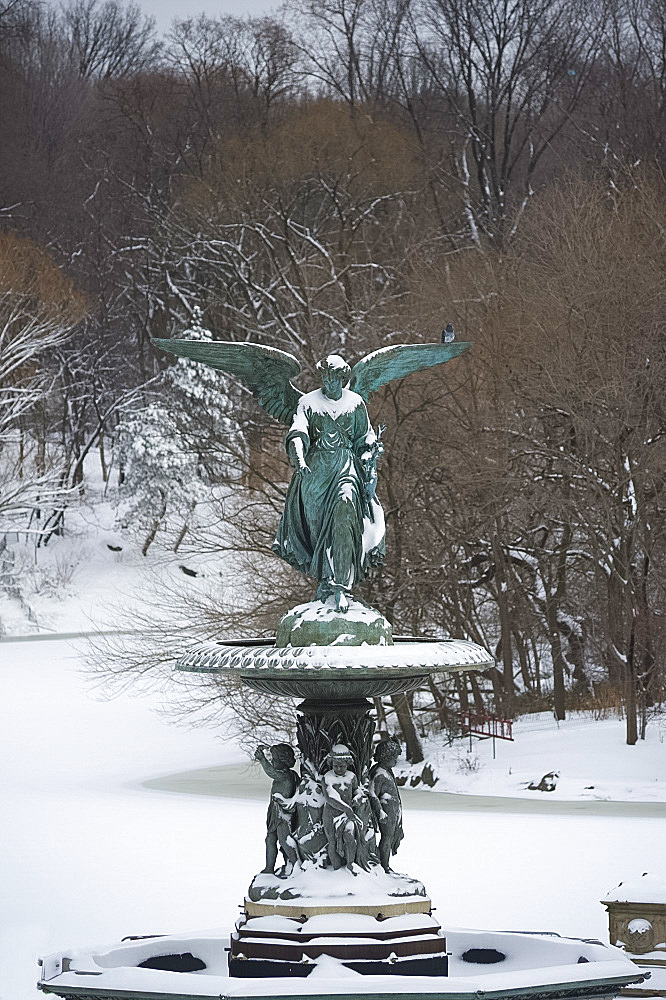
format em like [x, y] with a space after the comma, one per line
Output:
[332, 527]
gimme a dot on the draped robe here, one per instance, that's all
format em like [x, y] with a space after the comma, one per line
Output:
[329, 530]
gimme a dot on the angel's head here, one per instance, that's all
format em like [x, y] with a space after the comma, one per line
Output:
[334, 372]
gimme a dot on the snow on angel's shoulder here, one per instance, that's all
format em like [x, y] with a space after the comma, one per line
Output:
[318, 402]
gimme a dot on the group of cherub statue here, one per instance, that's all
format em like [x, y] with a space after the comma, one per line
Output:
[330, 818]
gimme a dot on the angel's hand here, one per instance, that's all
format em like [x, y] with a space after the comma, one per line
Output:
[304, 470]
[297, 454]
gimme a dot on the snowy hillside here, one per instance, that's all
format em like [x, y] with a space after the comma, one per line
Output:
[94, 575]
[589, 758]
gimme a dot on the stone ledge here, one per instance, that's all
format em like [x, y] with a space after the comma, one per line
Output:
[297, 908]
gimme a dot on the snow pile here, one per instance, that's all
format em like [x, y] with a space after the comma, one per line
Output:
[649, 888]
[324, 611]
[327, 887]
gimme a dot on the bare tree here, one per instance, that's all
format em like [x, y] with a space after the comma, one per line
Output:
[38, 309]
[105, 39]
[512, 75]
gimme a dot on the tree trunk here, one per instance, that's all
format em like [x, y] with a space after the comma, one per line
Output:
[537, 664]
[558, 663]
[181, 535]
[382, 728]
[413, 748]
[443, 712]
[479, 706]
[630, 690]
[460, 681]
[102, 458]
[154, 529]
[505, 627]
[523, 660]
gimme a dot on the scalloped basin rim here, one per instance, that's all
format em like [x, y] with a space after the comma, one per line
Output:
[258, 659]
[262, 641]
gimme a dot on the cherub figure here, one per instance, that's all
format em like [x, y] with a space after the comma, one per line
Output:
[343, 827]
[385, 799]
[366, 854]
[309, 833]
[279, 819]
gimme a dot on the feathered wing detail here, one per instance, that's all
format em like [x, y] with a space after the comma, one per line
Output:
[266, 371]
[397, 361]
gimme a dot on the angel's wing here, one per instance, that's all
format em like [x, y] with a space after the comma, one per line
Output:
[266, 371]
[388, 363]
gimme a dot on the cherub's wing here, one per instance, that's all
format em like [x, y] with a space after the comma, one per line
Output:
[266, 371]
[388, 363]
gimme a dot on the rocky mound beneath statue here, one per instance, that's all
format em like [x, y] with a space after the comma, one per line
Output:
[316, 888]
[320, 623]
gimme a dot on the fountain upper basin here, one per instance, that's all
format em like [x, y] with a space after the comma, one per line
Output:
[335, 671]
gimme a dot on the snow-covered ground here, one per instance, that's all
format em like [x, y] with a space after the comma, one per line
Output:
[590, 756]
[80, 584]
[89, 853]
[86, 853]
[94, 575]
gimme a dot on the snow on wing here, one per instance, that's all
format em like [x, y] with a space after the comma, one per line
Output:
[397, 361]
[266, 371]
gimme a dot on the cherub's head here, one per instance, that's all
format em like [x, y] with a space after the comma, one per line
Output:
[334, 372]
[341, 758]
[387, 752]
[283, 756]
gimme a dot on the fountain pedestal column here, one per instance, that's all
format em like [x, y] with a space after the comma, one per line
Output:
[323, 723]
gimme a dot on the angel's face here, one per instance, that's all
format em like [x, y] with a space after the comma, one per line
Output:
[332, 383]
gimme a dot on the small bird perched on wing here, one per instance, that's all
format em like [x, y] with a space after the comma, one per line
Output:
[448, 334]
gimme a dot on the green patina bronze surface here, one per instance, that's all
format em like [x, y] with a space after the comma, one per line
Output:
[332, 528]
[321, 624]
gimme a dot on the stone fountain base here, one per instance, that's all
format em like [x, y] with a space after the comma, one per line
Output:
[496, 965]
[374, 922]
[278, 946]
